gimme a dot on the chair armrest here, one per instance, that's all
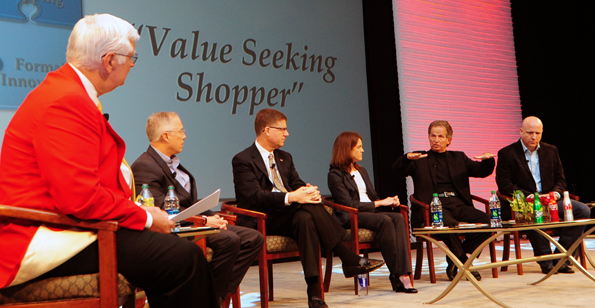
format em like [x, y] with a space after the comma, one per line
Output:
[329, 202]
[55, 218]
[485, 202]
[241, 211]
[425, 207]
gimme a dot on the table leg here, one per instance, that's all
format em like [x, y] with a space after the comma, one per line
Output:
[568, 255]
[464, 269]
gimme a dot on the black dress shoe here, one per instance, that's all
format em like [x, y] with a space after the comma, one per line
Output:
[316, 302]
[565, 269]
[451, 271]
[399, 287]
[365, 266]
[476, 275]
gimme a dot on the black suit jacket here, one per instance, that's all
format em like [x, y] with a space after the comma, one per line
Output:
[345, 192]
[513, 172]
[253, 187]
[150, 168]
[423, 172]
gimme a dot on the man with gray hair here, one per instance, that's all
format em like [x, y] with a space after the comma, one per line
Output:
[234, 247]
[60, 154]
[447, 173]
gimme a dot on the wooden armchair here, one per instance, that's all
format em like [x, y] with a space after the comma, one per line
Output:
[102, 290]
[359, 240]
[430, 254]
[275, 247]
[505, 205]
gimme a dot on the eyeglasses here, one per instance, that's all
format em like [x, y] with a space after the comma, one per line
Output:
[133, 58]
[183, 131]
[283, 129]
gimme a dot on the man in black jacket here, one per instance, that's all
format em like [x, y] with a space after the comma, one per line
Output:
[533, 166]
[447, 173]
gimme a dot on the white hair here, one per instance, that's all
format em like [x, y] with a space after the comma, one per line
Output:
[95, 35]
[158, 123]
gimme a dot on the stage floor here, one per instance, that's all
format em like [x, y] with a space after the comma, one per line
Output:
[561, 290]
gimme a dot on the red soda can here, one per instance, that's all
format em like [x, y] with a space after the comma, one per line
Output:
[553, 206]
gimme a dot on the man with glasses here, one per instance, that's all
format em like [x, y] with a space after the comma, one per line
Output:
[60, 154]
[265, 180]
[234, 247]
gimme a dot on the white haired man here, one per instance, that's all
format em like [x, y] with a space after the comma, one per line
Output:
[60, 154]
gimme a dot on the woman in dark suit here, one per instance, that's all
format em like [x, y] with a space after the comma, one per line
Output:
[350, 185]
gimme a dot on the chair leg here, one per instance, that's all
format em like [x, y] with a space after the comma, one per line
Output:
[263, 275]
[320, 283]
[505, 251]
[233, 298]
[431, 261]
[494, 259]
[270, 270]
[419, 256]
[328, 272]
[517, 251]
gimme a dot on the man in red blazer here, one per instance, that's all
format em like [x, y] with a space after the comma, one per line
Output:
[60, 154]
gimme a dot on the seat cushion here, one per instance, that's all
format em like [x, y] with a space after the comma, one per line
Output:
[365, 235]
[58, 288]
[278, 243]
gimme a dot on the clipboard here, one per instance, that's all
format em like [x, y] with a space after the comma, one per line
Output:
[204, 204]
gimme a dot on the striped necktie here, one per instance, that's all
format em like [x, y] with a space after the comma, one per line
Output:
[276, 179]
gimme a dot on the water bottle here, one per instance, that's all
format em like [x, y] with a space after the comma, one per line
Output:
[172, 203]
[495, 211]
[363, 282]
[568, 216]
[537, 209]
[436, 209]
[145, 197]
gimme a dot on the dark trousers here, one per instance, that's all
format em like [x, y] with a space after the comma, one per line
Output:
[454, 210]
[234, 250]
[172, 271]
[392, 237]
[311, 226]
[541, 246]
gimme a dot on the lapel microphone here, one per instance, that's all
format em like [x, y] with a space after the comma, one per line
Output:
[273, 166]
[175, 173]
[106, 116]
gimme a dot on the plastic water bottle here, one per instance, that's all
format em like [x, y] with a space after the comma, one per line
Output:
[145, 197]
[537, 209]
[568, 216]
[495, 211]
[363, 282]
[436, 209]
[172, 203]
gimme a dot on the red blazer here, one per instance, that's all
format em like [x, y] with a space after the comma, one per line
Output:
[60, 154]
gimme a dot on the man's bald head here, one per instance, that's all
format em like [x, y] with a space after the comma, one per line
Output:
[531, 131]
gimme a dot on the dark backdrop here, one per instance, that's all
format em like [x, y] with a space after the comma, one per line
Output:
[555, 68]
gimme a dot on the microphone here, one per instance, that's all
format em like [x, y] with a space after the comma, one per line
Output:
[106, 116]
[175, 174]
[273, 166]
[353, 176]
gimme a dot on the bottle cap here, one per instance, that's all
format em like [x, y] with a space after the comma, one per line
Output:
[435, 194]
[493, 192]
[170, 187]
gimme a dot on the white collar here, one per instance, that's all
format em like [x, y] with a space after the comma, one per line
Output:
[91, 91]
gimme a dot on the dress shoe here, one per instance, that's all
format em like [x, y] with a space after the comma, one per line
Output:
[476, 275]
[564, 269]
[365, 266]
[451, 271]
[316, 302]
[399, 287]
